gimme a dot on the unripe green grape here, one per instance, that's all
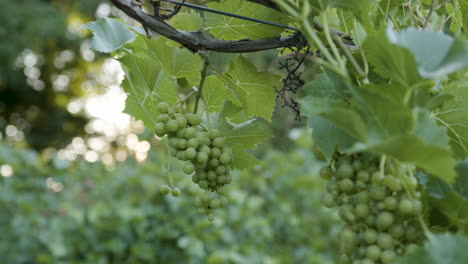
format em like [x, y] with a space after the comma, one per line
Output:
[370, 220]
[227, 150]
[215, 153]
[203, 184]
[172, 126]
[332, 188]
[189, 168]
[357, 165]
[225, 158]
[201, 175]
[223, 201]
[228, 179]
[160, 129]
[360, 185]
[176, 192]
[202, 157]
[173, 142]
[384, 220]
[205, 149]
[390, 203]
[181, 121]
[211, 175]
[173, 152]
[405, 206]
[411, 234]
[370, 236]
[198, 202]
[211, 217]
[346, 213]
[397, 231]
[326, 173]
[347, 235]
[344, 171]
[411, 247]
[181, 155]
[182, 143]
[214, 163]
[162, 118]
[180, 133]
[205, 198]
[190, 153]
[212, 134]
[373, 252]
[388, 256]
[363, 176]
[190, 132]
[195, 178]
[220, 170]
[362, 197]
[193, 119]
[392, 182]
[385, 241]
[214, 203]
[418, 206]
[376, 177]
[377, 193]
[346, 185]
[165, 189]
[361, 210]
[411, 183]
[162, 107]
[192, 143]
[328, 200]
[219, 142]
[213, 183]
[221, 179]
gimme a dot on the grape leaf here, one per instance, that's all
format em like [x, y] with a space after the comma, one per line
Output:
[215, 93]
[453, 10]
[255, 90]
[146, 85]
[410, 148]
[439, 56]
[328, 137]
[440, 248]
[327, 84]
[461, 184]
[240, 137]
[427, 130]
[392, 61]
[341, 115]
[176, 62]
[230, 28]
[109, 34]
[454, 115]
[187, 21]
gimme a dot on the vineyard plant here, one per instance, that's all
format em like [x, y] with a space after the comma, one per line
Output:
[381, 85]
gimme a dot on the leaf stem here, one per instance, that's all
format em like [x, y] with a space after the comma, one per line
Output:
[200, 87]
[431, 11]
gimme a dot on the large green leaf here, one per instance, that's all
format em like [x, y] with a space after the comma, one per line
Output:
[412, 149]
[427, 129]
[146, 84]
[240, 137]
[187, 21]
[225, 27]
[328, 137]
[215, 92]
[255, 90]
[439, 56]
[341, 115]
[392, 61]
[440, 248]
[176, 62]
[454, 115]
[109, 34]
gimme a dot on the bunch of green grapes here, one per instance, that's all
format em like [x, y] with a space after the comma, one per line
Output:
[206, 154]
[379, 205]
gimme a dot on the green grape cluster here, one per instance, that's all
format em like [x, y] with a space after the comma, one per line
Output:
[206, 153]
[380, 210]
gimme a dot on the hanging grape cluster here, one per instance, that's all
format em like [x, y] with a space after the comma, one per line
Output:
[377, 204]
[206, 154]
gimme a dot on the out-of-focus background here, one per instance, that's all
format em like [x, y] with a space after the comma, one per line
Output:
[79, 179]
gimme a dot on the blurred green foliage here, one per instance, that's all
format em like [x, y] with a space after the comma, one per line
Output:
[119, 215]
[42, 68]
